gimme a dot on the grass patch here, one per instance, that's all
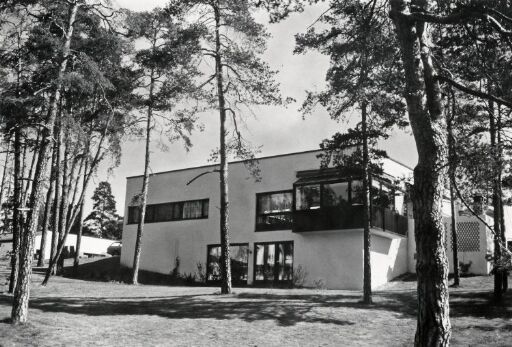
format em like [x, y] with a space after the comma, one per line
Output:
[78, 312]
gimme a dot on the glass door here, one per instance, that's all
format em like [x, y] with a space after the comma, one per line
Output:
[273, 263]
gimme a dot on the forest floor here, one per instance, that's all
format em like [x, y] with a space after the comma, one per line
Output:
[71, 312]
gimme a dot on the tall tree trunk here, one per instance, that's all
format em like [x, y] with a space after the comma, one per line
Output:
[63, 208]
[57, 197]
[76, 261]
[455, 242]
[145, 185]
[452, 166]
[496, 198]
[367, 274]
[225, 265]
[27, 188]
[504, 279]
[16, 226]
[423, 98]
[4, 174]
[46, 213]
[19, 314]
[74, 214]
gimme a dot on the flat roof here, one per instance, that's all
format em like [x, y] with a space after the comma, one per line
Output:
[241, 161]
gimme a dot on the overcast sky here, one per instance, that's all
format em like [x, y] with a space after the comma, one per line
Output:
[277, 130]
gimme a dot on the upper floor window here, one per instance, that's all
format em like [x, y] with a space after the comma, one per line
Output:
[274, 210]
[318, 195]
[171, 211]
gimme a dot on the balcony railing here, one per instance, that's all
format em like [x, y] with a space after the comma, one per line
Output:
[348, 217]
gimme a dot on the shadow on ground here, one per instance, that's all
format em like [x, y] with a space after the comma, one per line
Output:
[189, 307]
[285, 309]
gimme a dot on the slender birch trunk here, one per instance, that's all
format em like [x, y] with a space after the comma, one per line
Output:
[19, 314]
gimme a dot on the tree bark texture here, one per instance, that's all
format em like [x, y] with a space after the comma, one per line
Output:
[16, 226]
[78, 245]
[63, 208]
[367, 273]
[4, 174]
[145, 185]
[423, 97]
[19, 314]
[504, 278]
[496, 202]
[46, 214]
[451, 173]
[225, 265]
[57, 197]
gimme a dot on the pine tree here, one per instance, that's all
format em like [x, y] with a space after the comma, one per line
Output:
[167, 68]
[363, 74]
[233, 43]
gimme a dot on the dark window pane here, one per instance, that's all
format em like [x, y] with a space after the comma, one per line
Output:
[214, 263]
[150, 212]
[357, 192]
[133, 214]
[274, 211]
[176, 211]
[274, 203]
[239, 262]
[206, 204]
[163, 212]
[335, 194]
[308, 197]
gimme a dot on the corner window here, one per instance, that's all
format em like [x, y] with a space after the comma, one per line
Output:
[308, 197]
[335, 194]
[274, 211]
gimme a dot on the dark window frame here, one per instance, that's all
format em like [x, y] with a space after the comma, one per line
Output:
[348, 180]
[258, 227]
[274, 281]
[209, 246]
[150, 211]
[321, 184]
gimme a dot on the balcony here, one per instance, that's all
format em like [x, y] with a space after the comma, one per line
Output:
[348, 217]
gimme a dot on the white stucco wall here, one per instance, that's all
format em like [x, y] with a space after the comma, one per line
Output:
[335, 257]
[388, 258]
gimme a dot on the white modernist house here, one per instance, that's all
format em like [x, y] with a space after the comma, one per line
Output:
[296, 217]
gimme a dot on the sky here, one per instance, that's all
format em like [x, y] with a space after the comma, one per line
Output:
[277, 129]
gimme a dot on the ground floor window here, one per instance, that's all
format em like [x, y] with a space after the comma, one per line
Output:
[239, 253]
[273, 262]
